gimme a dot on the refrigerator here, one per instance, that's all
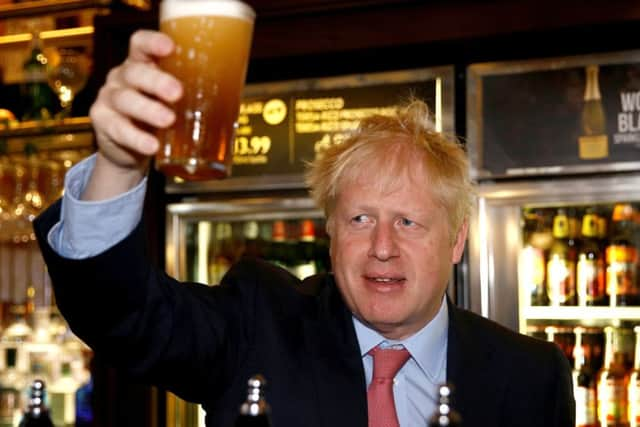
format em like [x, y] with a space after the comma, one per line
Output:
[554, 145]
[264, 209]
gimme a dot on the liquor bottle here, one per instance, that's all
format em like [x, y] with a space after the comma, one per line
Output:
[304, 261]
[531, 261]
[444, 414]
[584, 384]
[38, 97]
[634, 384]
[255, 411]
[252, 244]
[612, 386]
[62, 398]
[590, 269]
[222, 255]
[11, 387]
[37, 414]
[563, 338]
[561, 276]
[594, 143]
[264, 236]
[15, 336]
[622, 259]
[279, 252]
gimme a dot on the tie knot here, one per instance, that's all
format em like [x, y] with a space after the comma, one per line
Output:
[387, 361]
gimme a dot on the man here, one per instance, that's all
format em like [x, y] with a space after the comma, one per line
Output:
[397, 198]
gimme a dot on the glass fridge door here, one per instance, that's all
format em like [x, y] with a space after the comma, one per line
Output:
[205, 238]
[513, 254]
[558, 260]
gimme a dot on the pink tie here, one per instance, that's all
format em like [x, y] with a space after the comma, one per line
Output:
[386, 364]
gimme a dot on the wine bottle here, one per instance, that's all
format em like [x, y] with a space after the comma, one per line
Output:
[531, 261]
[38, 97]
[11, 386]
[304, 260]
[255, 411]
[561, 265]
[593, 144]
[622, 259]
[222, 256]
[584, 384]
[590, 270]
[633, 392]
[280, 249]
[612, 385]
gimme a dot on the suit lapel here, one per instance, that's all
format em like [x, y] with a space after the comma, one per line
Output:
[336, 363]
[473, 371]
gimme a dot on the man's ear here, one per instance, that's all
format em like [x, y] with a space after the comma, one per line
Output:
[329, 225]
[458, 244]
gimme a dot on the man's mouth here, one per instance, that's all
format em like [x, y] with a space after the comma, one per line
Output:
[385, 282]
[384, 279]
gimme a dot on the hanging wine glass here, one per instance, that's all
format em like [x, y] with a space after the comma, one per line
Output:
[51, 181]
[21, 211]
[67, 75]
[33, 197]
[6, 195]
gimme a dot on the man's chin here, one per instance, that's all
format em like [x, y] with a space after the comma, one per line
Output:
[388, 326]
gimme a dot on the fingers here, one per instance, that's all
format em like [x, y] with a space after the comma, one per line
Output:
[145, 45]
[140, 71]
[133, 104]
[119, 136]
[149, 79]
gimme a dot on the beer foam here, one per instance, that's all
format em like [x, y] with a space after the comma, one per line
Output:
[172, 9]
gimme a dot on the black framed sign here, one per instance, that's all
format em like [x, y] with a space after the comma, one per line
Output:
[283, 125]
[555, 116]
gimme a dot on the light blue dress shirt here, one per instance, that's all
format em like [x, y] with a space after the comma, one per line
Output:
[415, 387]
[89, 228]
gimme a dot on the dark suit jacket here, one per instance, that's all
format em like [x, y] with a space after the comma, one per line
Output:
[203, 343]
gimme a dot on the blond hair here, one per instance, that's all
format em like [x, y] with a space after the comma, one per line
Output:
[390, 144]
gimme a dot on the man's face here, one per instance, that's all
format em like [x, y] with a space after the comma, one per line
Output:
[392, 252]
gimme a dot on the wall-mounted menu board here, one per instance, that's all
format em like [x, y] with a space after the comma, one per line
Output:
[555, 116]
[282, 125]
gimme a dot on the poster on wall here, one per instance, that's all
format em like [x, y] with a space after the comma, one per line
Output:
[281, 132]
[284, 125]
[549, 117]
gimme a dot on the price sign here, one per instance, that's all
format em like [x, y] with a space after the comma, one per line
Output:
[282, 127]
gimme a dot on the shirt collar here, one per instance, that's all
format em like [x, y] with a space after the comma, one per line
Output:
[428, 346]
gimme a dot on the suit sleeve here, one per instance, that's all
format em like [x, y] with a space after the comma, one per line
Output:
[170, 334]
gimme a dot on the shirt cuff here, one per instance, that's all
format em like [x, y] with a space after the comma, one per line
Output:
[88, 228]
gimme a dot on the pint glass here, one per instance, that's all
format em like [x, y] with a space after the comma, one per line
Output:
[213, 39]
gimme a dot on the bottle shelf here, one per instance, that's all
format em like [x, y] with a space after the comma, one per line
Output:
[69, 133]
[62, 37]
[582, 313]
[44, 7]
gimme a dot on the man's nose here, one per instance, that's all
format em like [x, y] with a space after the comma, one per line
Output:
[383, 242]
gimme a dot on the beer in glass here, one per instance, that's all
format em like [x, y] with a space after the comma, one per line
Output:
[213, 39]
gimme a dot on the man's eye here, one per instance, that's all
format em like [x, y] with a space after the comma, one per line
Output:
[406, 222]
[359, 218]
